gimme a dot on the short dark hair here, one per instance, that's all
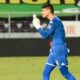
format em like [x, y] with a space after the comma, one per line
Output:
[50, 6]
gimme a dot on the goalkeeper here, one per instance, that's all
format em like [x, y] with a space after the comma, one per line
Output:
[58, 52]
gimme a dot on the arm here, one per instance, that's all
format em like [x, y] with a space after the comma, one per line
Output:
[47, 32]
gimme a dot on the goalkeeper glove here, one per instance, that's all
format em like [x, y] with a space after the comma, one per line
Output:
[36, 22]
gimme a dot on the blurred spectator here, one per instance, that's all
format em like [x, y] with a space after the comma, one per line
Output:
[78, 4]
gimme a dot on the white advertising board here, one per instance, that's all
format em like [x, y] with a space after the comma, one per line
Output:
[72, 28]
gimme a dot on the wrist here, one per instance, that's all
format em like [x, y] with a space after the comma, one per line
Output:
[37, 26]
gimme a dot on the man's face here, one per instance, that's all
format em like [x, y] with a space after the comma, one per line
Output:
[45, 12]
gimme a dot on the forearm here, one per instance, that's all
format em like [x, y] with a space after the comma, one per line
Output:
[43, 33]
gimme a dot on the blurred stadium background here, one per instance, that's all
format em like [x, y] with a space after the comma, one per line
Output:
[23, 52]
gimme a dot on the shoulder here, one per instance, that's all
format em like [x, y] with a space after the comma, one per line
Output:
[56, 18]
[57, 21]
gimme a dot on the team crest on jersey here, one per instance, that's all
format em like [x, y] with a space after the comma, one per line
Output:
[49, 26]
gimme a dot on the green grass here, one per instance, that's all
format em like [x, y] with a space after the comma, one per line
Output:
[30, 68]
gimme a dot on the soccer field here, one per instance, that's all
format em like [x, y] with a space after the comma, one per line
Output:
[30, 68]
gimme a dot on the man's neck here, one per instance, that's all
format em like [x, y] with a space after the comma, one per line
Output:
[50, 16]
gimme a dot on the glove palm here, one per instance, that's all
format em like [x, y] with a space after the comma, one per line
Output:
[36, 22]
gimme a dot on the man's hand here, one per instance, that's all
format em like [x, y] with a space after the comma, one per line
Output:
[36, 22]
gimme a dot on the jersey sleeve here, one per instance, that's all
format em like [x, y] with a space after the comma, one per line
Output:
[47, 32]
